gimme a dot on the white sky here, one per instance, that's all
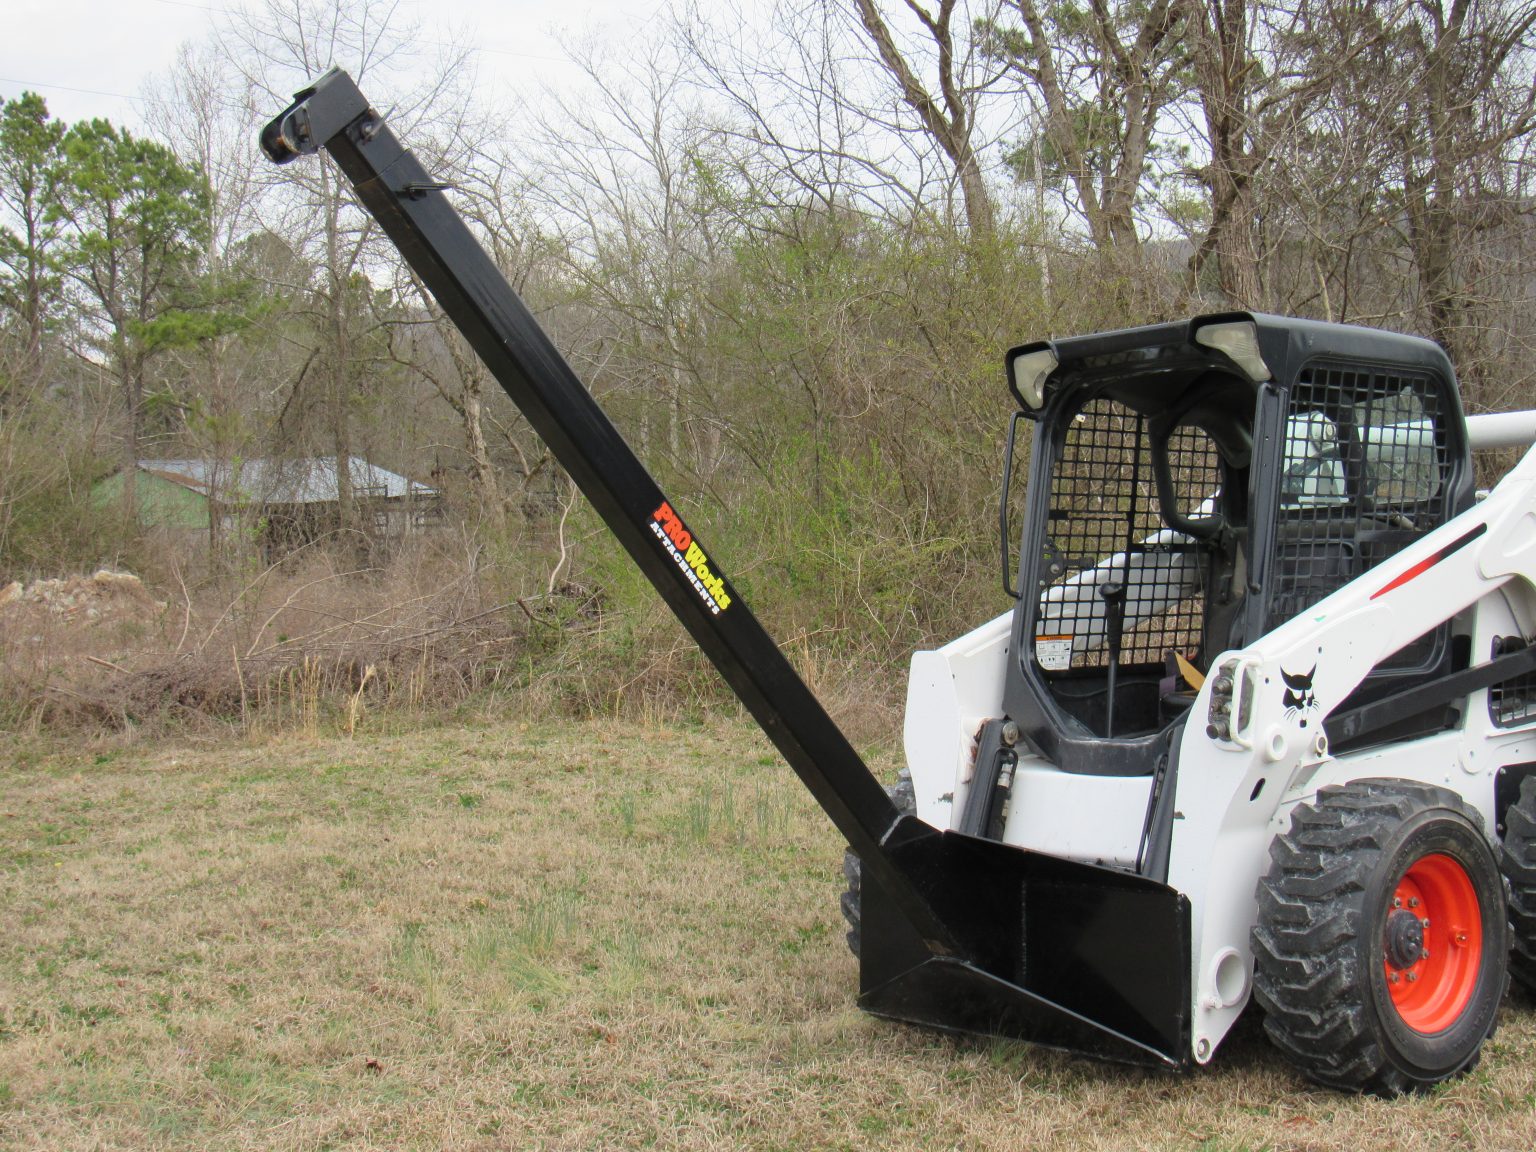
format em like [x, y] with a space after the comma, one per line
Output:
[92, 57]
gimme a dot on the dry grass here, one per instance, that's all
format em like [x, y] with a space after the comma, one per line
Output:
[534, 937]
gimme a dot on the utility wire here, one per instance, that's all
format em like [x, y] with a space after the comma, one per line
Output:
[68, 88]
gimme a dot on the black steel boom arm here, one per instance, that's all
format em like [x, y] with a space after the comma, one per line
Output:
[958, 932]
[333, 115]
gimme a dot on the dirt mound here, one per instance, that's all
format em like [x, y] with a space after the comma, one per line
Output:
[84, 600]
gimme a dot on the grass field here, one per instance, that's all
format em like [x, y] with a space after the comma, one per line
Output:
[562, 936]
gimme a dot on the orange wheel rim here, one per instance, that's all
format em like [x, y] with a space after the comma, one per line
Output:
[1432, 991]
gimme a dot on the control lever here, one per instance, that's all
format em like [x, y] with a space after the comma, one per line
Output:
[1112, 592]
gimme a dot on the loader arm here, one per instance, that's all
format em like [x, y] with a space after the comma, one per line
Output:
[969, 934]
[1282, 694]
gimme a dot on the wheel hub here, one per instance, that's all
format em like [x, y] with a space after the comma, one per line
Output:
[1405, 939]
[1432, 943]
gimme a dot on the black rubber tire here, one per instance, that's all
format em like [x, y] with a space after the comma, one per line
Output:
[905, 799]
[1518, 862]
[1320, 944]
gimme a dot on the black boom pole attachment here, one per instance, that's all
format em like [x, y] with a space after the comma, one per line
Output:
[949, 940]
[409, 204]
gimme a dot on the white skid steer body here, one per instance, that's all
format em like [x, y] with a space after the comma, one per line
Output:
[1235, 794]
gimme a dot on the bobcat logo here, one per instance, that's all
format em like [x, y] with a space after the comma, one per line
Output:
[1298, 692]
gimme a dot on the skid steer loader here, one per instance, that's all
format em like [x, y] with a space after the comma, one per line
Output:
[1261, 725]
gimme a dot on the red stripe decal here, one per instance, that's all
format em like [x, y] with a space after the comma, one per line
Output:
[1429, 562]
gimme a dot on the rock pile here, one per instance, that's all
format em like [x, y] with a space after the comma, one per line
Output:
[89, 600]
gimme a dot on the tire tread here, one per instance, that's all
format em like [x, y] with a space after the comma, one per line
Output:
[1517, 861]
[1311, 906]
[904, 796]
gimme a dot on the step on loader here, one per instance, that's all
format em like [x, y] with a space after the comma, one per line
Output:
[1260, 727]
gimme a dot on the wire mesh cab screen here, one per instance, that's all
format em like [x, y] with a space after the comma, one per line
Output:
[1364, 475]
[1104, 525]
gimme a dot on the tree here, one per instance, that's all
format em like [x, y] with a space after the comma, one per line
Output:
[1227, 75]
[1409, 179]
[29, 194]
[1103, 75]
[1260, 78]
[136, 217]
[1467, 98]
[223, 376]
[821, 113]
[639, 196]
[492, 198]
[276, 46]
[947, 115]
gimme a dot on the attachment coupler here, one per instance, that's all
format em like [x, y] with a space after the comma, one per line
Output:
[317, 113]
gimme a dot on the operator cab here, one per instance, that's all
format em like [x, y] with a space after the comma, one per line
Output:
[1191, 487]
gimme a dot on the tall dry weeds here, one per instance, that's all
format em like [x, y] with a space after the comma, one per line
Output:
[300, 645]
[319, 643]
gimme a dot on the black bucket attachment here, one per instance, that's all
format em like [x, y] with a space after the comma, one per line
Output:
[1067, 955]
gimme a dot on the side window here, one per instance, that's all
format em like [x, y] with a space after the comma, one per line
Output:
[1364, 474]
[1391, 439]
[1195, 469]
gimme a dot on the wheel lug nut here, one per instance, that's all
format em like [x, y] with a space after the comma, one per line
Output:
[1397, 901]
[1425, 921]
[1412, 976]
[1392, 977]
[1413, 901]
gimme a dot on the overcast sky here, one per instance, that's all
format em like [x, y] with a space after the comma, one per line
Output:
[91, 57]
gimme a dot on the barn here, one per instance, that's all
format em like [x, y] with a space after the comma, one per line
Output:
[286, 503]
